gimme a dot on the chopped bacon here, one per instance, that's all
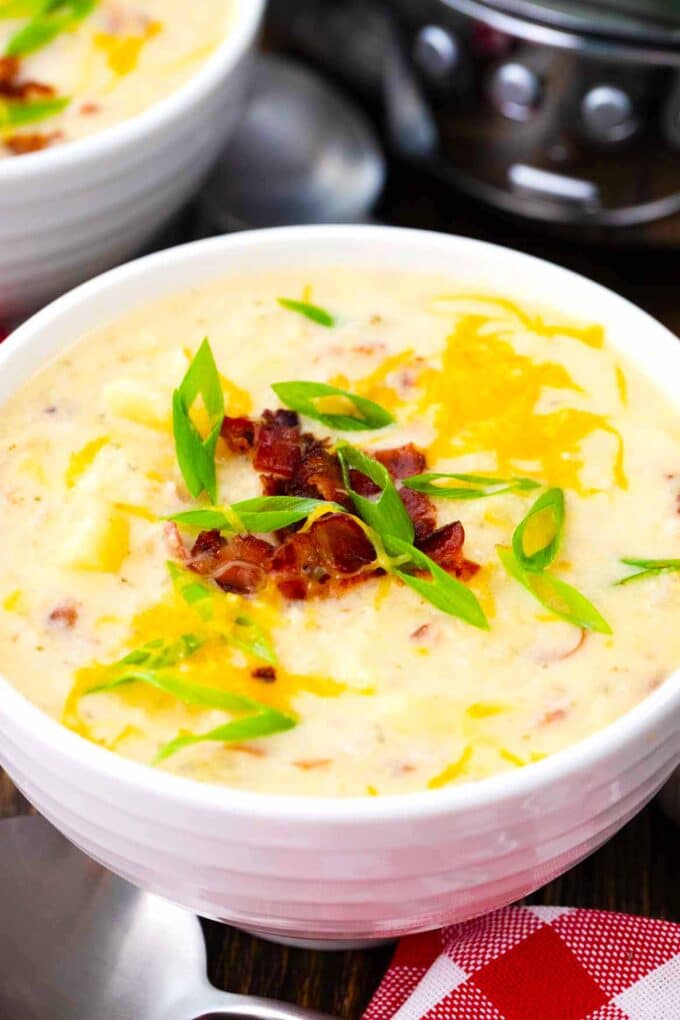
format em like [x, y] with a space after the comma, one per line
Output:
[403, 461]
[420, 509]
[312, 763]
[9, 70]
[334, 548]
[239, 434]
[277, 445]
[239, 565]
[265, 673]
[342, 544]
[245, 563]
[254, 752]
[445, 547]
[87, 109]
[65, 616]
[21, 145]
[333, 553]
[319, 475]
[206, 552]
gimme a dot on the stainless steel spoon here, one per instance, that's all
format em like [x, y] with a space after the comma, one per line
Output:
[78, 943]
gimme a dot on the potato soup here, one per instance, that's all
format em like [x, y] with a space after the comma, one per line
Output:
[339, 533]
[75, 67]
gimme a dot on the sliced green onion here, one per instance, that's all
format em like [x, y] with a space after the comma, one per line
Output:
[263, 720]
[14, 9]
[537, 537]
[387, 515]
[445, 592]
[316, 400]
[196, 454]
[648, 568]
[251, 638]
[474, 487]
[50, 20]
[555, 595]
[158, 654]
[313, 312]
[246, 634]
[16, 113]
[259, 515]
[263, 724]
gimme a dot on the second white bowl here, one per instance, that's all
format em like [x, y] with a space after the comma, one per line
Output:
[69, 212]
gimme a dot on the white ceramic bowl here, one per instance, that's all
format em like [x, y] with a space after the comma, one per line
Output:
[365, 868]
[69, 212]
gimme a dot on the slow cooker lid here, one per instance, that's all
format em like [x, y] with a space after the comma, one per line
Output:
[640, 21]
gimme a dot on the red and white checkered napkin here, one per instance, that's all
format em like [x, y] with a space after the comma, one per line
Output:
[536, 963]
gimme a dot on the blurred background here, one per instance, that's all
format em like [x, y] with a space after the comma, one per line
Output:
[549, 125]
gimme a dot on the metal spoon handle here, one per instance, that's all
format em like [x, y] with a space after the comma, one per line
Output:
[212, 1003]
[262, 1009]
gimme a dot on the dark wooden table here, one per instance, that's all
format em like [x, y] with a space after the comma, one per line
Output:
[637, 871]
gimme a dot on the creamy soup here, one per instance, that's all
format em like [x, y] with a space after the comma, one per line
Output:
[330, 657]
[90, 64]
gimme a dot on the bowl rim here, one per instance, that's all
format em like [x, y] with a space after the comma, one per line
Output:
[636, 724]
[157, 116]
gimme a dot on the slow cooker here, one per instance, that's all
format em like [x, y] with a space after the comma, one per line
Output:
[565, 111]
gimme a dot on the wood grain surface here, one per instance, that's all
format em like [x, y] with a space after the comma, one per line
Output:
[637, 871]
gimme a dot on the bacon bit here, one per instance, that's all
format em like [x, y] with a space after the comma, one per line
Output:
[89, 108]
[206, 552]
[420, 632]
[254, 752]
[312, 763]
[277, 445]
[445, 546]
[556, 715]
[246, 562]
[402, 461]
[403, 768]
[65, 616]
[239, 434]
[21, 145]
[9, 69]
[173, 539]
[335, 548]
[319, 475]
[265, 673]
[342, 544]
[421, 510]
[368, 348]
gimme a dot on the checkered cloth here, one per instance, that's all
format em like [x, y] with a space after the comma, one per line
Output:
[536, 963]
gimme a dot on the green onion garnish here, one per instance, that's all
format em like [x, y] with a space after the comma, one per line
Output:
[196, 454]
[246, 634]
[49, 20]
[555, 595]
[15, 113]
[537, 537]
[260, 722]
[313, 312]
[259, 515]
[333, 407]
[648, 568]
[387, 515]
[474, 487]
[251, 638]
[445, 592]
